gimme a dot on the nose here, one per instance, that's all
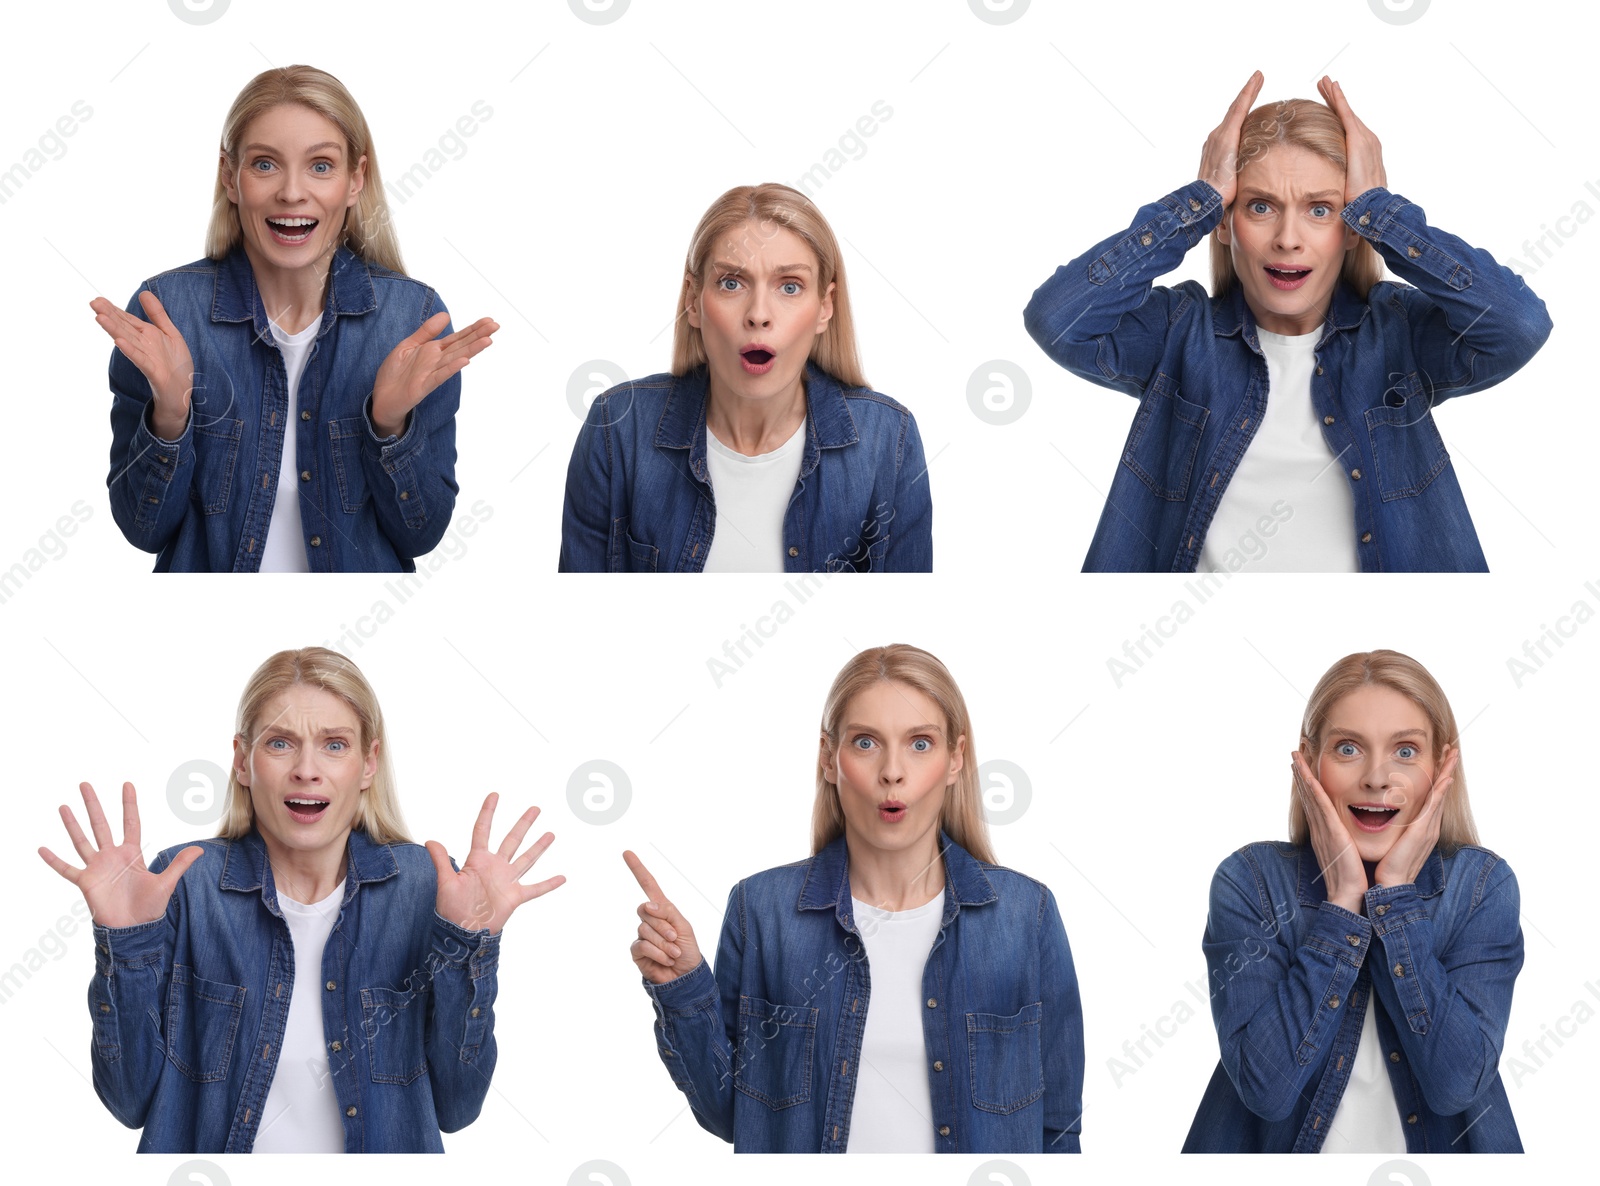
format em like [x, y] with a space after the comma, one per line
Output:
[1381, 779]
[757, 315]
[891, 773]
[305, 766]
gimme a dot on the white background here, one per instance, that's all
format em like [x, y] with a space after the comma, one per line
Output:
[1010, 149]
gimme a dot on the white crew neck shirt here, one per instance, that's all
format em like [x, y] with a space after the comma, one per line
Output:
[301, 1112]
[893, 1107]
[752, 494]
[285, 547]
[1367, 1119]
[1288, 507]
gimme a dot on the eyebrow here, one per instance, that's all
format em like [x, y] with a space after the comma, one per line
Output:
[286, 731]
[1322, 195]
[1423, 733]
[326, 144]
[851, 727]
[725, 266]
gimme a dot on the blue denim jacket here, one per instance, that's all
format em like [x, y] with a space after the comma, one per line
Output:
[639, 494]
[1196, 366]
[189, 1010]
[767, 1050]
[203, 502]
[1292, 976]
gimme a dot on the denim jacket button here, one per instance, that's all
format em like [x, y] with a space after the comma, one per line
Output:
[794, 551]
[1319, 368]
[350, 1111]
[1146, 239]
[1364, 219]
[944, 1130]
[304, 415]
[1356, 474]
[1413, 252]
[1366, 538]
[1399, 970]
[1380, 911]
[476, 1010]
[316, 540]
[1353, 940]
[305, 475]
[1411, 1119]
[938, 1066]
[1333, 1002]
[332, 986]
[337, 1046]
[932, 1004]
[1194, 204]
[404, 494]
[1394, 1056]
[104, 1008]
[1327, 419]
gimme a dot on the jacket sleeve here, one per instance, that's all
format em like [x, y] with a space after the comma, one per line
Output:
[1473, 321]
[910, 546]
[1272, 999]
[1063, 1034]
[127, 1003]
[150, 478]
[586, 527]
[460, 1040]
[1450, 1006]
[1100, 317]
[695, 1019]
[413, 476]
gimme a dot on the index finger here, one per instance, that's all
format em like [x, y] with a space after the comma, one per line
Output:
[642, 875]
[1240, 107]
[130, 815]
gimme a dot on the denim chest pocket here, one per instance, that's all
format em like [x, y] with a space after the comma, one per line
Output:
[1164, 439]
[216, 454]
[1407, 450]
[1007, 1069]
[202, 1023]
[776, 1045]
[641, 557]
[866, 557]
[394, 1022]
[347, 437]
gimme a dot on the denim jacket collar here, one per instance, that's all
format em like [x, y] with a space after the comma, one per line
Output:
[829, 424]
[1345, 312]
[246, 868]
[235, 297]
[1314, 890]
[827, 881]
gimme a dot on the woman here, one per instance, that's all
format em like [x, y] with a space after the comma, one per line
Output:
[966, 1036]
[301, 318]
[1361, 974]
[763, 450]
[309, 981]
[1217, 477]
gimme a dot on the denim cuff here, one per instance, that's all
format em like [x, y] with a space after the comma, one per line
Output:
[686, 993]
[129, 946]
[1338, 932]
[457, 947]
[1390, 907]
[1370, 213]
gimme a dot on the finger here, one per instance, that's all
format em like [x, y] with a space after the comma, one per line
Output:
[658, 920]
[441, 861]
[480, 827]
[80, 842]
[513, 841]
[541, 888]
[642, 875]
[130, 816]
[153, 310]
[180, 865]
[428, 330]
[466, 348]
[70, 872]
[654, 937]
[480, 328]
[97, 818]
[650, 952]
[526, 861]
[1241, 105]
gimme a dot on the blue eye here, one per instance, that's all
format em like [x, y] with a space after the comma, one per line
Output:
[1408, 751]
[342, 744]
[790, 284]
[1323, 206]
[1345, 749]
[862, 743]
[1254, 204]
[922, 745]
[324, 166]
[255, 164]
[726, 280]
[276, 741]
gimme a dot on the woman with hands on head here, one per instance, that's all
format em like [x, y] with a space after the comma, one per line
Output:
[1218, 477]
[310, 980]
[1361, 974]
[966, 1036]
[287, 404]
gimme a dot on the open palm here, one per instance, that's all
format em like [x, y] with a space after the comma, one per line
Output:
[488, 887]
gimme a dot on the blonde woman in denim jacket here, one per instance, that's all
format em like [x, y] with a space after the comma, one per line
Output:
[962, 1034]
[287, 404]
[212, 1032]
[1361, 974]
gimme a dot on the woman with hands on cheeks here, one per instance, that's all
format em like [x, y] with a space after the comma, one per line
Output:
[1361, 974]
[287, 404]
[1216, 476]
[310, 980]
[966, 1036]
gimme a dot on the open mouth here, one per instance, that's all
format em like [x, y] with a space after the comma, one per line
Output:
[757, 360]
[1373, 818]
[891, 809]
[1287, 278]
[306, 808]
[291, 230]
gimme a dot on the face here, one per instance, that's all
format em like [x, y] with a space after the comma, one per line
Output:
[1376, 765]
[759, 310]
[295, 183]
[892, 766]
[1285, 215]
[305, 770]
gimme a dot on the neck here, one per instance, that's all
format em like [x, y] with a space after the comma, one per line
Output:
[307, 876]
[292, 298]
[895, 879]
[755, 426]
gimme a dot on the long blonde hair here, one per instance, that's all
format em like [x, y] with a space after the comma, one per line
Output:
[1302, 123]
[318, 667]
[368, 228]
[1403, 674]
[773, 208]
[961, 814]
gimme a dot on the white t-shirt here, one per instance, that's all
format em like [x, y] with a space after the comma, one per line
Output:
[285, 549]
[1367, 1119]
[893, 1107]
[752, 494]
[1288, 507]
[301, 1114]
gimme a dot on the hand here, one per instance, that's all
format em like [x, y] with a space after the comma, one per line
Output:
[418, 365]
[120, 891]
[1403, 862]
[665, 948]
[489, 886]
[162, 356]
[1219, 159]
[1342, 871]
[1363, 154]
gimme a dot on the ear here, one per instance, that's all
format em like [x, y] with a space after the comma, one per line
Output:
[1350, 238]
[358, 182]
[825, 758]
[826, 313]
[1225, 228]
[958, 760]
[226, 175]
[241, 762]
[369, 766]
[691, 300]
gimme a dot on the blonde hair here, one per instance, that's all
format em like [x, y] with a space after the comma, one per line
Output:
[368, 228]
[1403, 674]
[773, 207]
[961, 814]
[318, 667]
[1302, 123]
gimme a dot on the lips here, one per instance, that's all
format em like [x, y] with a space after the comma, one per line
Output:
[1286, 276]
[291, 229]
[891, 810]
[1372, 817]
[306, 809]
[757, 358]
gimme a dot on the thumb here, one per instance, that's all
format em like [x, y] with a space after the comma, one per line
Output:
[180, 864]
[429, 329]
[153, 310]
[441, 861]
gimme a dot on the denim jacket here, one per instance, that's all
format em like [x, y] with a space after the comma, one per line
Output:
[1196, 366]
[189, 1010]
[203, 502]
[1292, 976]
[639, 493]
[767, 1051]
